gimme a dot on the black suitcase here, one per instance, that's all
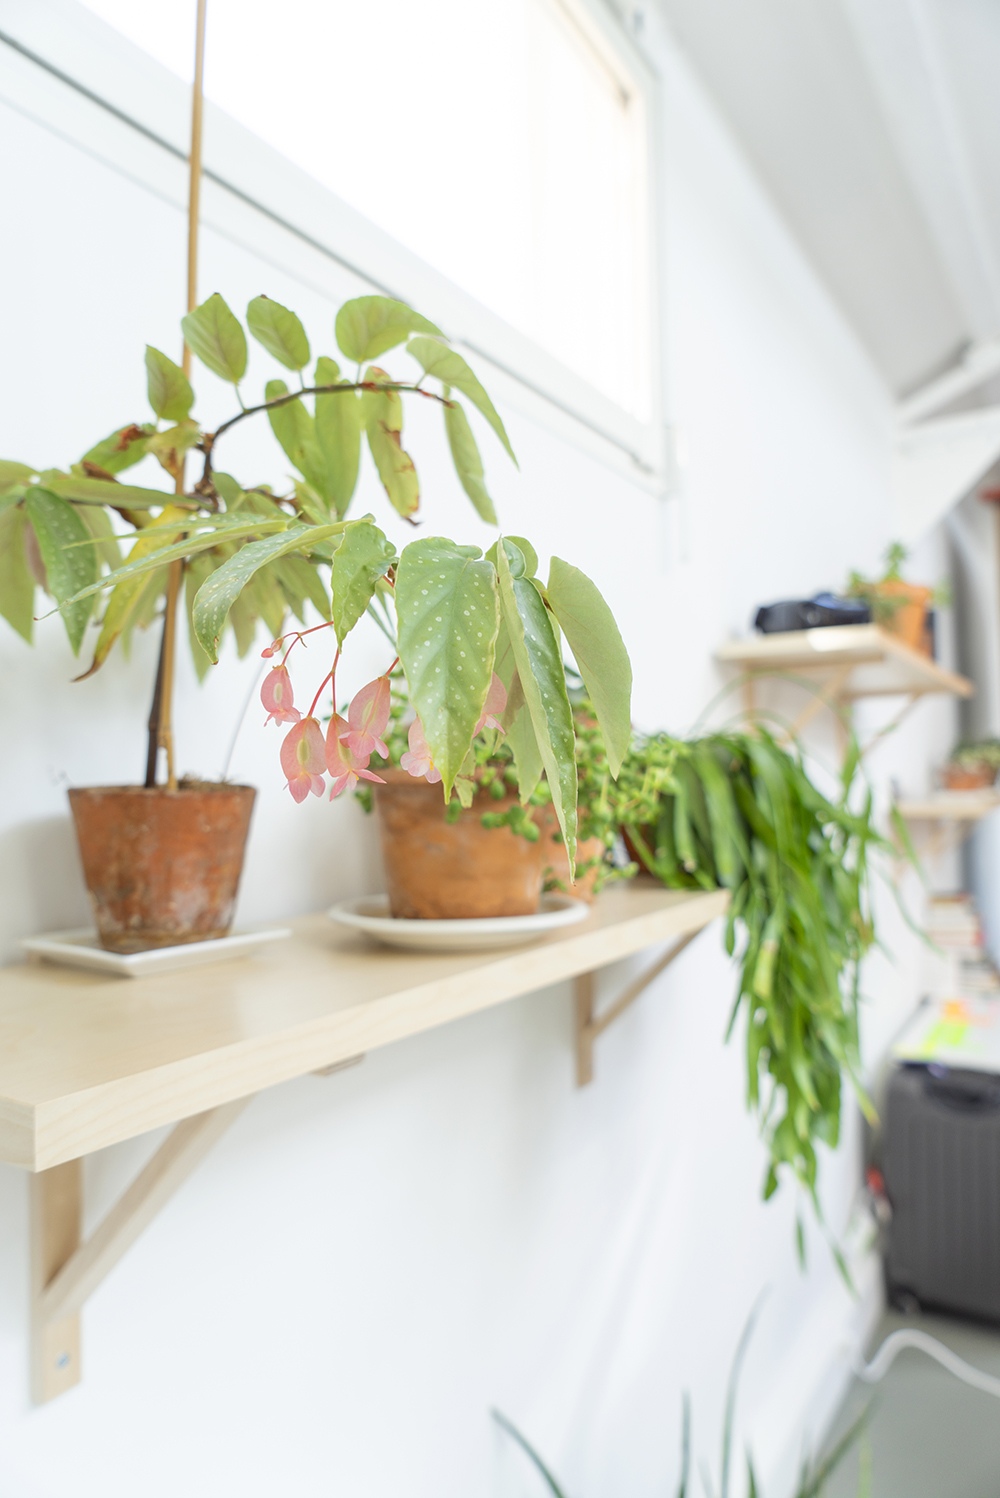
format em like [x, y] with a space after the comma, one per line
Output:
[941, 1166]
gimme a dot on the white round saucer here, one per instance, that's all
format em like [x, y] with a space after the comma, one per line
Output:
[370, 914]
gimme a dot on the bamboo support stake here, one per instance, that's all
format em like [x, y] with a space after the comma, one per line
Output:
[194, 182]
[164, 697]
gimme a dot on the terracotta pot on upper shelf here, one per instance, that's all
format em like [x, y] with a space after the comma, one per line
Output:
[910, 620]
[461, 870]
[967, 777]
[162, 866]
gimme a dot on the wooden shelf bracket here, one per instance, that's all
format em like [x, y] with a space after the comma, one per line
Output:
[589, 1024]
[66, 1272]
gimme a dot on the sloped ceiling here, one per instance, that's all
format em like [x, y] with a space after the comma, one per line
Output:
[875, 126]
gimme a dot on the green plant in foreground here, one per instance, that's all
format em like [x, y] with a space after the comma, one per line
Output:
[813, 1477]
[737, 811]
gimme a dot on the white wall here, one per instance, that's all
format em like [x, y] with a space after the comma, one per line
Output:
[367, 1263]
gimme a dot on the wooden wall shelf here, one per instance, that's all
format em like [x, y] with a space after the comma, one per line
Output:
[950, 806]
[943, 820]
[846, 661]
[87, 1061]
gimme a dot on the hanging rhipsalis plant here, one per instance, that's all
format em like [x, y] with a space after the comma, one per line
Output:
[478, 636]
[738, 811]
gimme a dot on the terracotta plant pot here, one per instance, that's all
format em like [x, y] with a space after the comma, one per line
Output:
[438, 870]
[909, 620]
[967, 777]
[649, 837]
[162, 867]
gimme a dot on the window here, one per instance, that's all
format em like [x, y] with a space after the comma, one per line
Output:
[504, 144]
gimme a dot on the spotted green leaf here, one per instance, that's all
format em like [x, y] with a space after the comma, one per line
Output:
[540, 669]
[516, 720]
[369, 325]
[68, 567]
[523, 744]
[219, 528]
[98, 523]
[17, 586]
[219, 592]
[447, 617]
[215, 335]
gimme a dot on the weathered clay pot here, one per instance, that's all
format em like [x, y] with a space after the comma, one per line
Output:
[162, 867]
[438, 870]
[649, 838]
[967, 777]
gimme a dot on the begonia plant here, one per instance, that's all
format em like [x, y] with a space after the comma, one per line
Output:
[479, 638]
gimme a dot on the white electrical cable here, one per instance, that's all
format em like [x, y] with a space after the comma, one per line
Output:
[921, 1342]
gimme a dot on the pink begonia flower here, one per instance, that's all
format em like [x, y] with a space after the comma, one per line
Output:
[345, 766]
[303, 760]
[368, 715]
[418, 760]
[496, 701]
[276, 695]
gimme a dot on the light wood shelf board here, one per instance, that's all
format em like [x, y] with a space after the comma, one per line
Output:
[87, 1061]
[882, 664]
[950, 806]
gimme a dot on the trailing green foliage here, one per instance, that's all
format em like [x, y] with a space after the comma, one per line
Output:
[737, 811]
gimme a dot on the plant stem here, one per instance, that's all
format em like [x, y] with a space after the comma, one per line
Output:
[209, 439]
[153, 744]
[161, 734]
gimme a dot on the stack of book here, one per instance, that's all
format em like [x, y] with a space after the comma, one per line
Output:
[963, 966]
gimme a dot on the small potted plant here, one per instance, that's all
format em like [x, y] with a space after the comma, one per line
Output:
[901, 608]
[972, 766]
[481, 854]
[486, 853]
[467, 626]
